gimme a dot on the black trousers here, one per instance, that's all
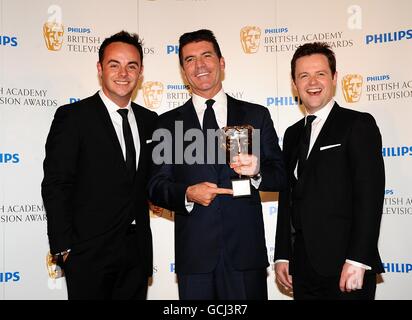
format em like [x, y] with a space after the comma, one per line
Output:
[224, 283]
[309, 285]
[107, 275]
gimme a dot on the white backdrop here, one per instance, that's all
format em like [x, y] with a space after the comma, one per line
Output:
[372, 40]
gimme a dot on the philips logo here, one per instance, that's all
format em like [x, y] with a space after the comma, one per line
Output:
[389, 36]
[282, 101]
[78, 30]
[172, 49]
[9, 158]
[8, 41]
[276, 30]
[73, 100]
[394, 267]
[378, 78]
[397, 151]
[389, 192]
[172, 267]
[10, 276]
[178, 87]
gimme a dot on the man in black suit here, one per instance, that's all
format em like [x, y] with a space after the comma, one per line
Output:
[220, 249]
[329, 216]
[98, 155]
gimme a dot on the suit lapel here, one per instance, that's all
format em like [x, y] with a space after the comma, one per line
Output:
[109, 128]
[235, 112]
[324, 136]
[140, 129]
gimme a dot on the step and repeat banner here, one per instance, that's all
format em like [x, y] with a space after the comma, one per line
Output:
[48, 55]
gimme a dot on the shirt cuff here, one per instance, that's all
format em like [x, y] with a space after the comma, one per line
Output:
[189, 205]
[63, 252]
[256, 182]
[358, 264]
[281, 260]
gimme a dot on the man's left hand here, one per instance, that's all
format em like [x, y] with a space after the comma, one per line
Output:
[351, 277]
[245, 164]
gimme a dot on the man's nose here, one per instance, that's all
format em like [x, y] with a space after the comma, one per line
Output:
[312, 79]
[122, 71]
[200, 62]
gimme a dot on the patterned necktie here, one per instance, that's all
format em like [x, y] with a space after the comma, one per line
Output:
[128, 139]
[304, 144]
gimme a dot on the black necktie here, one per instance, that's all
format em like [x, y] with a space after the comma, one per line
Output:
[209, 118]
[128, 140]
[304, 144]
[209, 122]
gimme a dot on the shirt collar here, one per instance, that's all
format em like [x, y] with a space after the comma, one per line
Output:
[110, 105]
[322, 114]
[199, 102]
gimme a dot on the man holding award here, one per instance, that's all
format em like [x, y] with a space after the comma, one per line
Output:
[220, 250]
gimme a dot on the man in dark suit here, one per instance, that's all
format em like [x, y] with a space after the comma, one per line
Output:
[329, 216]
[98, 155]
[220, 249]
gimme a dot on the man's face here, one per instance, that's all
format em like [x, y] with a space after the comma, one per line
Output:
[202, 68]
[314, 81]
[251, 40]
[120, 71]
[53, 35]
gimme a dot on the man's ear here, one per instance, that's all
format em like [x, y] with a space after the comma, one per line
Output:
[99, 68]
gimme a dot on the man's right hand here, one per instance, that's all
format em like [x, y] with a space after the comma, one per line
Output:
[204, 193]
[282, 275]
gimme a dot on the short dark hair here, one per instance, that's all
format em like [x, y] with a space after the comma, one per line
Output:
[308, 49]
[197, 36]
[125, 37]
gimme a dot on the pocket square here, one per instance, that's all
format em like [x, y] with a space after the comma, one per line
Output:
[330, 146]
[149, 141]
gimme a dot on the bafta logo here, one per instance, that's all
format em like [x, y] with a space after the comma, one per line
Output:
[53, 35]
[158, 212]
[152, 94]
[55, 272]
[250, 39]
[352, 87]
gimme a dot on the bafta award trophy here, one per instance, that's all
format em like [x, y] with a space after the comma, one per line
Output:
[238, 140]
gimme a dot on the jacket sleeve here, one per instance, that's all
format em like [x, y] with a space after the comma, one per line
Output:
[368, 179]
[163, 189]
[283, 239]
[272, 166]
[62, 148]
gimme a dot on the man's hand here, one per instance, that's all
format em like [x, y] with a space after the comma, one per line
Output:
[351, 277]
[204, 193]
[282, 275]
[245, 164]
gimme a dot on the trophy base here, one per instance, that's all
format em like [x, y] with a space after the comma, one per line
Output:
[241, 187]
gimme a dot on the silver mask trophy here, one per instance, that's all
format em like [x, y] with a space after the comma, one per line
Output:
[237, 140]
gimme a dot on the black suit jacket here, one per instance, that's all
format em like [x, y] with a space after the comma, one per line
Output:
[235, 225]
[339, 197]
[88, 196]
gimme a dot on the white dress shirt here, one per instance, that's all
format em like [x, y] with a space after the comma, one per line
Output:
[117, 121]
